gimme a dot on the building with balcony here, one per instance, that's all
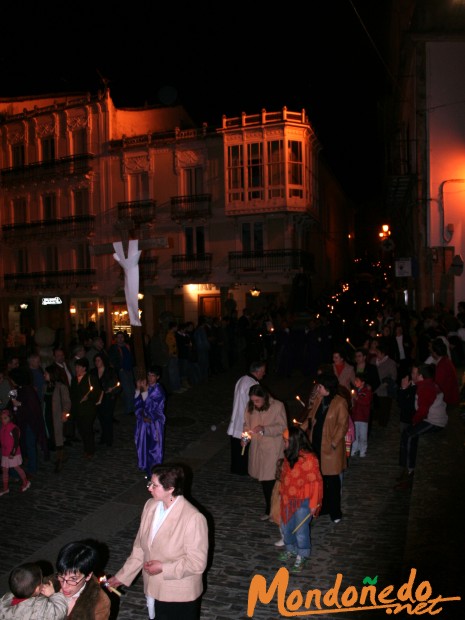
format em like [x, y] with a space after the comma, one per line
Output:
[217, 212]
[426, 162]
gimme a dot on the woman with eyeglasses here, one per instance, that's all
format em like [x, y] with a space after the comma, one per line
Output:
[76, 563]
[171, 549]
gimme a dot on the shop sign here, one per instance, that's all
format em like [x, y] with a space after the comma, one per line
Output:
[51, 301]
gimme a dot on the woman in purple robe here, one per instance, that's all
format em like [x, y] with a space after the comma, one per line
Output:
[149, 407]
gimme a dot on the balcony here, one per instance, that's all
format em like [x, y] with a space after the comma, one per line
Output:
[192, 207]
[75, 226]
[42, 170]
[56, 281]
[271, 261]
[137, 211]
[191, 265]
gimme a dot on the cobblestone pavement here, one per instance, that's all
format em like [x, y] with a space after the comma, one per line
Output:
[383, 534]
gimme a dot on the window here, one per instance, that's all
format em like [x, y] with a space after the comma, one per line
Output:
[22, 265]
[79, 141]
[138, 186]
[193, 181]
[17, 155]
[82, 256]
[49, 207]
[48, 148]
[235, 173]
[81, 202]
[276, 178]
[255, 171]
[252, 237]
[19, 211]
[51, 258]
[195, 240]
[295, 172]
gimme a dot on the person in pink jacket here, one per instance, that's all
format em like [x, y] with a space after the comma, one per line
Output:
[171, 549]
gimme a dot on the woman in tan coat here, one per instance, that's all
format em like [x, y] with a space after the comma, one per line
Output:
[327, 424]
[264, 420]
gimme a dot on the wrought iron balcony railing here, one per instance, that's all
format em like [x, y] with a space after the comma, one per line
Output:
[75, 226]
[190, 265]
[70, 279]
[271, 261]
[64, 166]
[191, 207]
[137, 211]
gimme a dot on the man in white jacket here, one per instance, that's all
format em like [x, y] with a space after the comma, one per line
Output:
[239, 461]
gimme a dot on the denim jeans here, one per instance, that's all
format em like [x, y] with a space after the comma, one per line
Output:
[300, 542]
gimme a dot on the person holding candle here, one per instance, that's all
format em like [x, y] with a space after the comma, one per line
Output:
[85, 392]
[149, 407]
[362, 399]
[76, 563]
[110, 388]
[265, 420]
[301, 493]
[171, 549]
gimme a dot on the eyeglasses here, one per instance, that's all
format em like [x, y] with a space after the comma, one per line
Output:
[152, 484]
[72, 581]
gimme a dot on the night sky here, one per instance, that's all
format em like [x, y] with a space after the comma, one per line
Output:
[326, 56]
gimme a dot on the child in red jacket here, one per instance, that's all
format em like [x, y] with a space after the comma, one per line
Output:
[361, 410]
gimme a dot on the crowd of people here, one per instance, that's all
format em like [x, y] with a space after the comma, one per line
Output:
[354, 377]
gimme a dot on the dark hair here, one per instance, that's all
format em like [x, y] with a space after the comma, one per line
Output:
[330, 382]
[362, 376]
[427, 371]
[298, 441]
[258, 390]
[439, 347]
[24, 579]
[170, 476]
[361, 350]
[154, 370]
[53, 373]
[77, 557]
[83, 362]
[100, 356]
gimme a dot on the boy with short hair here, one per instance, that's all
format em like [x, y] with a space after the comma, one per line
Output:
[30, 598]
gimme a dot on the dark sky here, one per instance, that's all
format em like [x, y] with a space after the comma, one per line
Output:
[321, 55]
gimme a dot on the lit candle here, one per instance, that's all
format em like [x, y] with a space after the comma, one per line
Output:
[104, 581]
[245, 440]
[348, 342]
[300, 400]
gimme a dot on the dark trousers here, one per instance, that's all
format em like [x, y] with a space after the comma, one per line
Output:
[85, 425]
[177, 611]
[382, 409]
[332, 496]
[239, 462]
[267, 486]
[409, 442]
[105, 416]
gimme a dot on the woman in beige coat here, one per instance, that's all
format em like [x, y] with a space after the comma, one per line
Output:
[327, 424]
[57, 397]
[264, 420]
[171, 549]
